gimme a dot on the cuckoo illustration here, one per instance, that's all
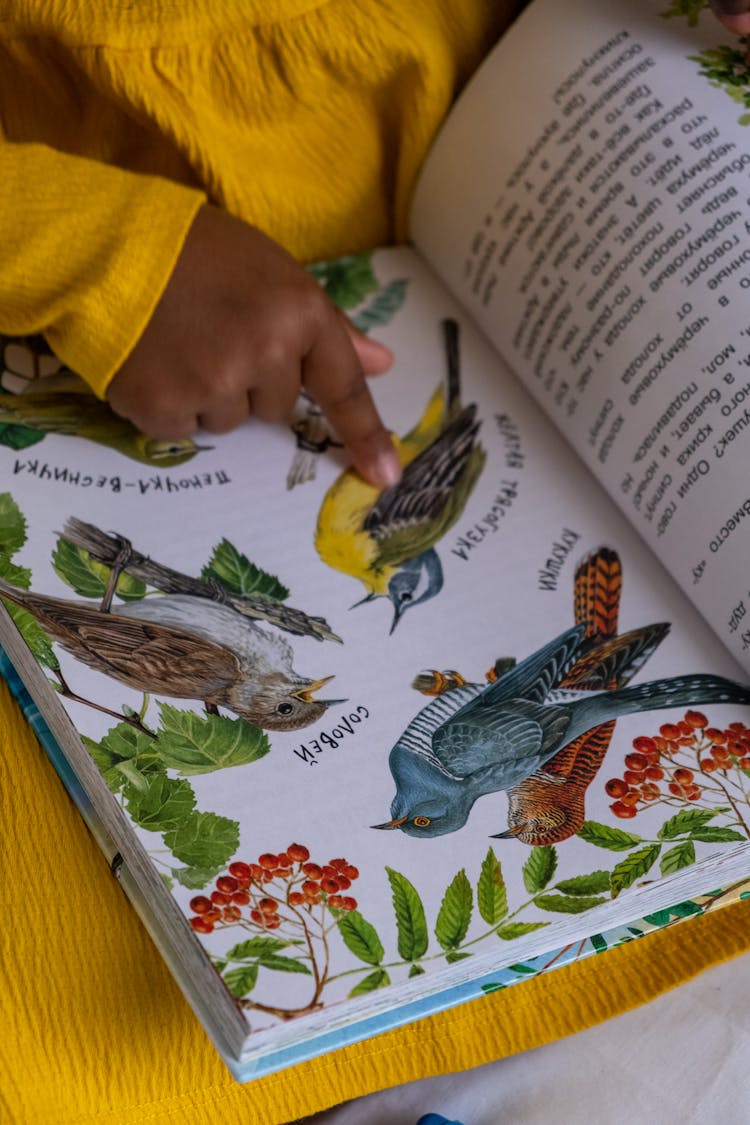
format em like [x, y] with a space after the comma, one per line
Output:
[479, 739]
[387, 539]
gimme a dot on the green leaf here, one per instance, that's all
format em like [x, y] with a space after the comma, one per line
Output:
[204, 839]
[512, 930]
[360, 937]
[18, 436]
[241, 981]
[682, 855]
[493, 987]
[347, 280]
[539, 868]
[568, 904]
[106, 763]
[594, 884]
[12, 525]
[453, 955]
[195, 878]
[255, 948]
[520, 967]
[454, 915]
[235, 571]
[195, 744]
[13, 573]
[599, 942]
[410, 917]
[632, 867]
[163, 803]
[89, 578]
[373, 981]
[34, 636]
[283, 964]
[416, 971]
[382, 308]
[124, 742]
[717, 835]
[681, 910]
[687, 820]
[492, 897]
[602, 836]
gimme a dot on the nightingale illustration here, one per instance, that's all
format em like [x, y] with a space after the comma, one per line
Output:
[387, 539]
[185, 647]
[479, 739]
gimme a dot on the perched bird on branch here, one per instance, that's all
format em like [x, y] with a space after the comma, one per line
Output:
[387, 539]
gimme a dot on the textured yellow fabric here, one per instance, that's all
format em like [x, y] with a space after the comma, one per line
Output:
[95, 1032]
[308, 118]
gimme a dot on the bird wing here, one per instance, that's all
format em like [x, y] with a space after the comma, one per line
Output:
[168, 660]
[614, 661]
[510, 742]
[427, 482]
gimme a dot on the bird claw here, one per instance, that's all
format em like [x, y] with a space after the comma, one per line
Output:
[432, 682]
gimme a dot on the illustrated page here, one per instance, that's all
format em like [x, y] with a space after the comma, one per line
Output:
[372, 739]
[588, 202]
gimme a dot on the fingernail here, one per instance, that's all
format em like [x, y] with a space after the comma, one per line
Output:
[388, 467]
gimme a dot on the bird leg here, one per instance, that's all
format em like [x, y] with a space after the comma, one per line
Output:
[67, 692]
[118, 564]
[210, 708]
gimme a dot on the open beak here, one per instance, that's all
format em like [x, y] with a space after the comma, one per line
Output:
[391, 823]
[306, 693]
[509, 835]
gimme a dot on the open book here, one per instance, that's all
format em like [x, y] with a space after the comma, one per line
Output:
[355, 756]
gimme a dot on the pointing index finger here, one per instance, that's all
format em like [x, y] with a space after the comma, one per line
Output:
[334, 376]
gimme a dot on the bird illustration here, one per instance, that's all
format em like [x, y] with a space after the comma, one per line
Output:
[387, 539]
[549, 806]
[117, 552]
[186, 647]
[85, 416]
[313, 437]
[479, 739]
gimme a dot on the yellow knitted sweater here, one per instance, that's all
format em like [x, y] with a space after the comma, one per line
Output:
[309, 118]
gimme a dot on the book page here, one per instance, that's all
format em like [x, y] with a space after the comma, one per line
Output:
[587, 201]
[267, 697]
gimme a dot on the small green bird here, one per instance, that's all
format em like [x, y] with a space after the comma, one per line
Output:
[85, 416]
[387, 539]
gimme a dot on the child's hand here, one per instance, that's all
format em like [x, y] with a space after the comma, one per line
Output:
[239, 329]
[734, 14]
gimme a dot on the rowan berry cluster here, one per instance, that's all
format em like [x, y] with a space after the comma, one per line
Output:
[255, 894]
[668, 766]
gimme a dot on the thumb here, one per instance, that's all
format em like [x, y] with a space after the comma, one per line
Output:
[375, 358]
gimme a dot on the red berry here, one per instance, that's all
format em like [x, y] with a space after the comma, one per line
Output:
[268, 860]
[636, 762]
[660, 743]
[256, 916]
[231, 913]
[708, 765]
[739, 728]
[632, 797]
[654, 773]
[201, 925]
[650, 792]
[696, 719]
[256, 872]
[669, 731]
[200, 904]
[220, 899]
[283, 860]
[241, 898]
[633, 777]
[351, 872]
[744, 762]
[616, 787]
[240, 870]
[298, 852]
[644, 745]
[676, 790]
[338, 864]
[348, 903]
[268, 905]
[309, 888]
[227, 884]
[683, 776]
[335, 901]
[296, 898]
[623, 811]
[330, 886]
[271, 923]
[344, 883]
[693, 794]
[312, 870]
[212, 915]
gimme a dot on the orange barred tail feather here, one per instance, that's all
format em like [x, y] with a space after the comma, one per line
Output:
[596, 593]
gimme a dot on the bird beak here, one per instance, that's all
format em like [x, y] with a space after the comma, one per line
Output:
[396, 618]
[306, 693]
[367, 598]
[509, 835]
[391, 823]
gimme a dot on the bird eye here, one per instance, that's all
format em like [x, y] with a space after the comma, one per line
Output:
[285, 708]
[406, 596]
[421, 821]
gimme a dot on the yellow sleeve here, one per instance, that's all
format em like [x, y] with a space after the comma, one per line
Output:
[86, 250]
